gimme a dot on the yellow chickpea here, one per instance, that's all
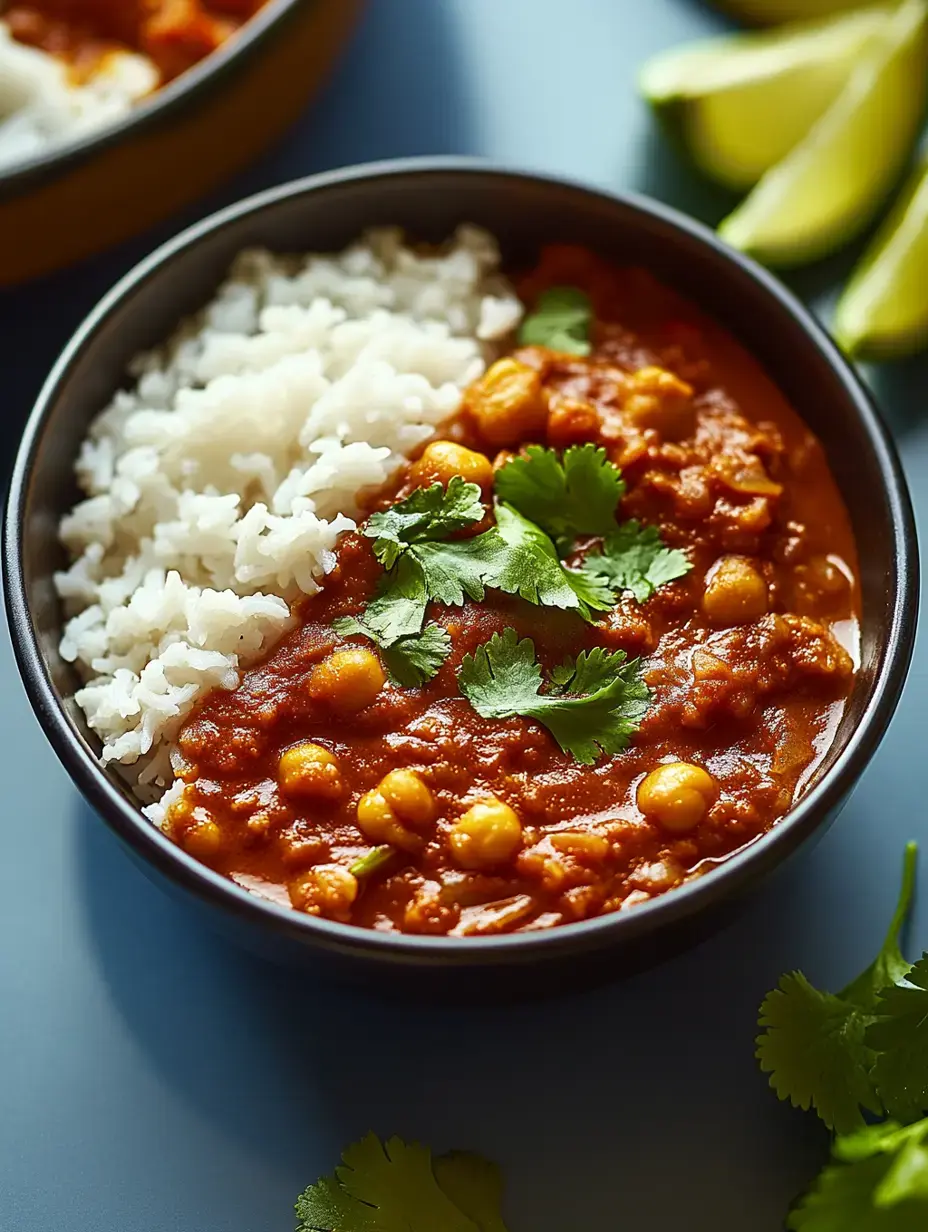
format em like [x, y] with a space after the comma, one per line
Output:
[736, 592]
[328, 890]
[489, 833]
[507, 403]
[203, 839]
[442, 460]
[408, 796]
[379, 822]
[348, 680]
[677, 794]
[309, 770]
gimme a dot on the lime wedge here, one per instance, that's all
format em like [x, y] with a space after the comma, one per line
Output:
[772, 12]
[883, 314]
[740, 104]
[833, 182]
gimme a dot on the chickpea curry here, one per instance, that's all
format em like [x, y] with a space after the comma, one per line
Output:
[173, 34]
[596, 639]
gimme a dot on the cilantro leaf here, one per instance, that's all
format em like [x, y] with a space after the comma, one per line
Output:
[599, 702]
[899, 1035]
[428, 513]
[561, 321]
[326, 1207]
[879, 1183]
[381, 1187]
[474, 1185]
[396, 1178]
[634, 558]
[814, 1050]
[818, 1048]
[889, 966]
[397, 610]
[453, 570]
[530, 567]
[570, 496]
[413, 660]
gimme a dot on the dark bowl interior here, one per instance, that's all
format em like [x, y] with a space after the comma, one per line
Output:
[524, 211]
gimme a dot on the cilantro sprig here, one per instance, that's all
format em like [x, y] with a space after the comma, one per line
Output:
[574, 495]
[841, 1053]
[562, 319]
[593, 704]
[395, 1186]
[634, 558]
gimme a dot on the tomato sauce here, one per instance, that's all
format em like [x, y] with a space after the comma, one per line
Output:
[173, 34]
[748, 685]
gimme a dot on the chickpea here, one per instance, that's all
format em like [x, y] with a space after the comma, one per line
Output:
[379, 821]
[328, 890]
[571, 421]
[507, 403]
[408, 796]
[203, 839]
[677, 795]
[348, 680]
[488, 833]
[736, 592]
[659, 400]
[309, 770]
[442, 460]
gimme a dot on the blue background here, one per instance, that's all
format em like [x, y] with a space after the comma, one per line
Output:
[153, 1079]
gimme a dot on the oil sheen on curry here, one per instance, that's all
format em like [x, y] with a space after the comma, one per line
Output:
[598, 639]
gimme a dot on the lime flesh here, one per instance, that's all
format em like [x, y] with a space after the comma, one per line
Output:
[773, 12]
[883, 314]
[740, 104]
[830, 186]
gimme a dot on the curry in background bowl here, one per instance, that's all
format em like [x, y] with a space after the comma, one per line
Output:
[113, 113]
[534, 620]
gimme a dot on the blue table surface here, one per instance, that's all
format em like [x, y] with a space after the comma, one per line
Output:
[154, 1078]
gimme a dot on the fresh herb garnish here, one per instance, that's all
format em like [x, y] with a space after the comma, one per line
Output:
[427, 514]
[414, 660]
[544, 503]
[561, 320]
[574, 495]
[395, 1186]
[822, 1050]
[593, 706]
[372, 861]
[634, 558]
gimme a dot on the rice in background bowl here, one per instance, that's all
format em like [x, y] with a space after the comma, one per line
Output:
[218, 483]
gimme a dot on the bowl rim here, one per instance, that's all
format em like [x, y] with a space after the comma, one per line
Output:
[722, 882]
[29, 173]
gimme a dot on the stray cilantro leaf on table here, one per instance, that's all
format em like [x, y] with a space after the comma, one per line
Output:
[389, 1187]
[634, 558]
[594, 705]
[575, 495]
[813, 1048]
[561, 320]
[473, 1184]
[899, 1035]
[817, 1046]
[878, 1182]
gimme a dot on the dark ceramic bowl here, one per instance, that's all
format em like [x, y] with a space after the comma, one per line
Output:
[83, 195]
[429, 198]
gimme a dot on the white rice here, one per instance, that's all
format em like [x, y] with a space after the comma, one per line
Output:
[218, 483]
[40, 106]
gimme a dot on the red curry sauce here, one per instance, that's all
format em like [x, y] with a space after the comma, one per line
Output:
[748, 682]
[173, 34]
